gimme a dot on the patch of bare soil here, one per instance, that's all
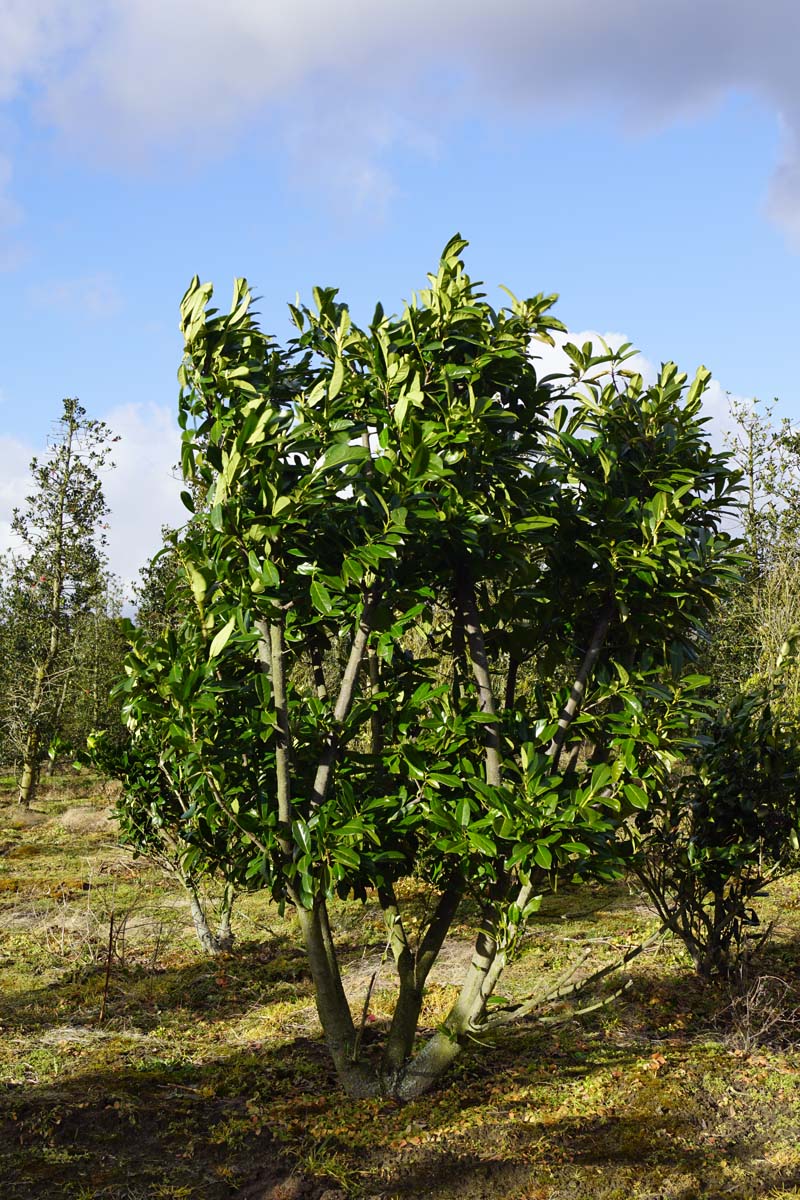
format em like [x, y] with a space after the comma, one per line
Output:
[84, 819]
[449, 968]
[288, 1187]
[14, 816]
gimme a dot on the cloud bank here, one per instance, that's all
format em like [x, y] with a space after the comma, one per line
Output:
[126, 79]
[551, 360]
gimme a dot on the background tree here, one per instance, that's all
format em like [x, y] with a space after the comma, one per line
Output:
[765, 450]
[724, 828]
[727, 824]
[160, 815]
[762, 607]
[98, 642]
[53, 583]
[399, 518]
[163, 595]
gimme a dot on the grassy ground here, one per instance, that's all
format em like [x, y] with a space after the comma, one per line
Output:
[207, 1078]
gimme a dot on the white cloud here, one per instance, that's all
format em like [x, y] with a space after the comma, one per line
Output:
[783, 201]
[10, 212]
[15, 457]
[716, 400]
[94, 295]
[35, 35]
[142, 491]
[124, 78]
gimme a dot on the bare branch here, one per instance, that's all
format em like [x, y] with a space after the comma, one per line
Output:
[566, 985]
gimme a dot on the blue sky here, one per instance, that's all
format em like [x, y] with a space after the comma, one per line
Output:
[639, 159]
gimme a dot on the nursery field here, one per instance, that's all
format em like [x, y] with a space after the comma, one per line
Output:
[133, 1067]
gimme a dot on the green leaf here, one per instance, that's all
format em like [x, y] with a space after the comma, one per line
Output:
[339, 454]
[346, 855]
[197, 582]
[400, 410]
[635, 795]
[530, 524]
[543, 857]
[337, 379]
[321, 598]
[270, 574]
[481, 842]
[300, 833]
[221, 638]
[419, 463]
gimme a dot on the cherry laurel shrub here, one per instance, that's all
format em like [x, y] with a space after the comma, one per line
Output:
[400, 523]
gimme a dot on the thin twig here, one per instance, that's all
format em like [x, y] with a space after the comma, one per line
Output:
[364, 1015]
[564, 987]
[109, 956]
[589, 1008]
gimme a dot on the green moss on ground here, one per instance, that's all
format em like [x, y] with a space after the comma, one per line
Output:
[207, 1079]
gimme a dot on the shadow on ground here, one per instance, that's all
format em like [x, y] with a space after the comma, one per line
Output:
[241, 1125]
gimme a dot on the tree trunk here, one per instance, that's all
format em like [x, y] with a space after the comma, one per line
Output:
[224, 934]
[413, 970]
[202, 928]
[29, 777]
[334, 1011]
[470, 622]
[212, 943]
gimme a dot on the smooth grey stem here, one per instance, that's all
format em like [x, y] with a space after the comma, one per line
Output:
[201, 926]
[224, 934]
[283, 737]
[480, 669]
[327, 939]
[375, 729]
[317, 667]
[324, 773]
[398, 938]
[334, 1012]
[409, 1001]
[413, 969]
[570, 709]
[436, 1055]
[567, 986]
[603, 1002]
[438, 928]
[364, 1015]
[510, 935]
[426, 1067]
